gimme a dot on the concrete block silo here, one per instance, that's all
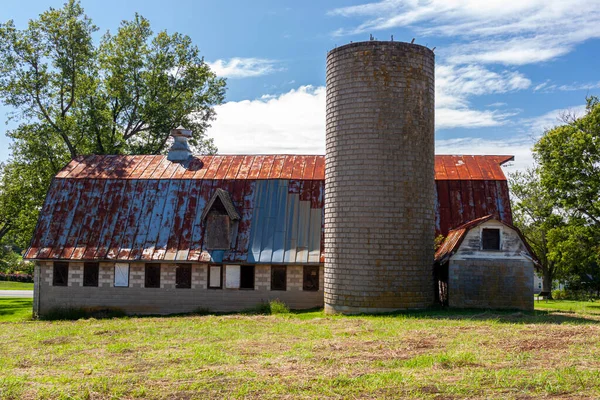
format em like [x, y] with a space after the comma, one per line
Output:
[379, 178]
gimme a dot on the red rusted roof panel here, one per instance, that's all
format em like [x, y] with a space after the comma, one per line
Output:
[300, 167]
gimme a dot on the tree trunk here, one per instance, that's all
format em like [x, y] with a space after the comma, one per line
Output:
[547, 282]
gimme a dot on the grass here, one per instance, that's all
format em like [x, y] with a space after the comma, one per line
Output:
[9, 285]
[437, 354]
[572, 306]
[15, 309]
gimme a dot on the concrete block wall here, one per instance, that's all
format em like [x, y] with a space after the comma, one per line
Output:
[136, 299]
[492, 283]
[379, 177]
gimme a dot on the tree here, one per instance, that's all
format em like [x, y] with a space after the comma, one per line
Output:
[576, 247]
[122, 96]
[569, 156]
[72, 95]
[536, 215]
[569, 159]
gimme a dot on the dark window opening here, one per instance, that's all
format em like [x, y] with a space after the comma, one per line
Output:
[247, 277]
[490, 239]
[217, 231]
[278, 278]
[90, 273]
[152, 279]
[310, 282]
[60, 276]
[183, 277]
[215, 273]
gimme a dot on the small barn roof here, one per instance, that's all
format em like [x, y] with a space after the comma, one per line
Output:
[455, 237]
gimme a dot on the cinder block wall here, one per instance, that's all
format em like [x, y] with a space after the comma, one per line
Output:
[379, 177]
[491, 284]
[136, 299]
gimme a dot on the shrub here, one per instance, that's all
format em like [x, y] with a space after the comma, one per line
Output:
[559, 294]
[272, 307]
[16, 277]
[278, 307]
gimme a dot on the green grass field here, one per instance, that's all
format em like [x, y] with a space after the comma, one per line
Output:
[435, 354]
[8, 285]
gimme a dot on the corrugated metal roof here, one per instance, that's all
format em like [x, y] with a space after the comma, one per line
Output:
[300, 167]
[148, 208]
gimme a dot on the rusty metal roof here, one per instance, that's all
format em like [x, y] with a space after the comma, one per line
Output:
[147, 208]
[301, 167]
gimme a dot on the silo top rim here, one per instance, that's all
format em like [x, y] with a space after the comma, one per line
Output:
[381, 43]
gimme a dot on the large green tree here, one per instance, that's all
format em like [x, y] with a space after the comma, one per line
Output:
[76, 94]
[569, 156]
[536, 214]
[569, 159]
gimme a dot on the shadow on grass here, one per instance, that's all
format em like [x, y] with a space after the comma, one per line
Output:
[10, 307]
[501, 316]
[436, 313]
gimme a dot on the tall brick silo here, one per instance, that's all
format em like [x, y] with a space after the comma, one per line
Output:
[379, 177]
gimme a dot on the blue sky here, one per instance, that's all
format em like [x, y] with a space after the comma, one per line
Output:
[505, 70]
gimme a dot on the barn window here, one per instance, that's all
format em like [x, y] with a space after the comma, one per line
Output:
[278, 277]
[183, 277]
[121, 275]
[221, 219]
[90, 273]
[247, 277]
[310, 282]
[152, 278]
[214, 277]
[490, 239]
[60, 275]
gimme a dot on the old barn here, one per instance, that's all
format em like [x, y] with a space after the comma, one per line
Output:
[149, 235]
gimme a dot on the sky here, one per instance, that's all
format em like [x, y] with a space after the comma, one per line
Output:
[505, 70]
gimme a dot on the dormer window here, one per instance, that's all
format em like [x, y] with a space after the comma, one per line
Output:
[221, 220]
[490, 239]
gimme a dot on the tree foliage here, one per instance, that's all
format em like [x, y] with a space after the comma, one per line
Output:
[536, 214]
[77, 94]
[558, 202]
[570, 158]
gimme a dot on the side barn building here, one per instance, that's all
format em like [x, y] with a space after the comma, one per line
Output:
[154, 236]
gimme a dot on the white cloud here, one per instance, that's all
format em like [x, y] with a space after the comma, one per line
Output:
[493, 31]
[519, 145]
[456, 84]
[293, 122]
[244, 67]
[536, 126]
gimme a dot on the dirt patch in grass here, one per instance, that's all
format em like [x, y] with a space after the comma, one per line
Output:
[56, 340]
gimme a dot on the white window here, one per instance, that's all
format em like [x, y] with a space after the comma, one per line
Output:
[121, 275]
[232, 276]
[214, 277]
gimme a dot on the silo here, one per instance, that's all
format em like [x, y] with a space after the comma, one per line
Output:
[379, 177]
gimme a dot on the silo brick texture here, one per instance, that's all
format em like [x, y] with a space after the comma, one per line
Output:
[379, 177]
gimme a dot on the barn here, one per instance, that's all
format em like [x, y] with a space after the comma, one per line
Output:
[352, 231]
[226, 232]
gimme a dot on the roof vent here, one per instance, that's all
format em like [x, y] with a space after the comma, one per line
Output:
[180, 150]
